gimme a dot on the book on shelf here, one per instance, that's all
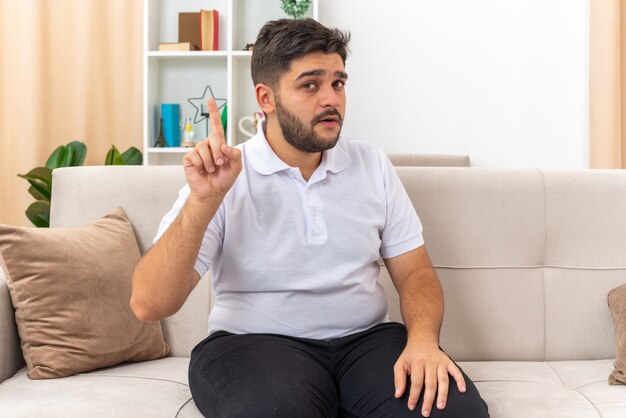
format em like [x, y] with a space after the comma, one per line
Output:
[178, 46]
[189, 28]
[209, 30]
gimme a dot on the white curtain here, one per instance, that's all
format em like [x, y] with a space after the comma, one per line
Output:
[607, 84]
[69, 70]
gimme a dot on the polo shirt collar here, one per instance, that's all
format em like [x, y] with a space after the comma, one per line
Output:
[262, 157]
[264, 161]
[336, 159]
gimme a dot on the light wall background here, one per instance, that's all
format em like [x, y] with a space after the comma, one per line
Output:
[504, 81]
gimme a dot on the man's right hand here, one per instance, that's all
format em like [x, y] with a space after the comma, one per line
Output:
[212, 167]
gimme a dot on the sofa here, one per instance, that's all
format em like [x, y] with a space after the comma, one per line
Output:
[526, 259]
[429, 160]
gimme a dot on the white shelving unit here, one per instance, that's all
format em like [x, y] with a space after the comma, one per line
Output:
[174, 77]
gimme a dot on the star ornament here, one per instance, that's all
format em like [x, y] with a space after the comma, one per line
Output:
[200, 103]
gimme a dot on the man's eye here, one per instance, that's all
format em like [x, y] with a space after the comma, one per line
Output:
[310, 86]
[340, 84]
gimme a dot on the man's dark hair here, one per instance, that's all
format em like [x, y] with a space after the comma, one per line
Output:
[285, 40]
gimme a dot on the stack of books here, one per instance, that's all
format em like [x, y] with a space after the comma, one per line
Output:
[209, 30]
[177, 46]
[189, 29]
[196, 31]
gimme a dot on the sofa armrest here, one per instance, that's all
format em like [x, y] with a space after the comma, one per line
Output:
[11, 359]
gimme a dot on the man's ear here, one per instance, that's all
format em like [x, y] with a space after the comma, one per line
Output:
[265, 98]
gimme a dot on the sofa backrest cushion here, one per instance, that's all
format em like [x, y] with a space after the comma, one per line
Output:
[429, 160]
[526, 257]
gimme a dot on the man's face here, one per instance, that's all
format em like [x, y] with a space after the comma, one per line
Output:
[311, 102]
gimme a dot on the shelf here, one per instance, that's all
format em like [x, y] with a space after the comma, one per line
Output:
[197, 54]
[187, 54]
[242, 53]
[168, 150]
[181, 76]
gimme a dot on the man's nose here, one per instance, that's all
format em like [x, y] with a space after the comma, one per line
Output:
[330, 97]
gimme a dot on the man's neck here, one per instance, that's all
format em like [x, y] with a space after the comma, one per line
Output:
[307, 162]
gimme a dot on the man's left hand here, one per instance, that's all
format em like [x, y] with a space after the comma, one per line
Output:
[428, 368]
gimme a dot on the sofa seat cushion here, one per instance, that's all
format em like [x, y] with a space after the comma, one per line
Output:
[151, 389]
[548, 389]
[159, 388]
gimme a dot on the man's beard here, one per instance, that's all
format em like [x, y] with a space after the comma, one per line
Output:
[303, 137]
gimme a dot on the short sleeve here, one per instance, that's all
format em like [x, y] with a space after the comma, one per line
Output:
[213, 236]
[403, 229]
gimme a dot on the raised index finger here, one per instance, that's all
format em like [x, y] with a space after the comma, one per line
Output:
[216, 120]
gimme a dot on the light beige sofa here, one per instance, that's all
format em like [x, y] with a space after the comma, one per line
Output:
[429, 160]
[526, 259]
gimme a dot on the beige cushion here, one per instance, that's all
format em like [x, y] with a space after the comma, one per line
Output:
[149, 389]
[71, 290]
[146, 193]
[617, 303]
[561, 389]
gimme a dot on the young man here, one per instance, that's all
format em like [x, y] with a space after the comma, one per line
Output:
[292, 224]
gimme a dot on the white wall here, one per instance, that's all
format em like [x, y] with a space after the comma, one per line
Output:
[504, 81]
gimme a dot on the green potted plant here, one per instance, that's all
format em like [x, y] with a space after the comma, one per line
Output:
[295, 8]
[70, 155]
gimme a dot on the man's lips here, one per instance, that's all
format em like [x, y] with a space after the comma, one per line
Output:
[329, 125]
[329, 121]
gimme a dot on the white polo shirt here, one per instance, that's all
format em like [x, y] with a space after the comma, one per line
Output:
[299, 258]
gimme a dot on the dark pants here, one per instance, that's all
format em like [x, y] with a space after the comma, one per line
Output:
[268, 375]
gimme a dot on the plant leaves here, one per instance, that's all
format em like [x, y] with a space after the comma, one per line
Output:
[71, 155]
[295, 8]
[68, 158]
[79, 152]
[39, 214]
[56, 158]
[132, 156]
[36, 194]
[40, 179]
[42, 188]
[113, 157]
[224, 117]
[42, 174]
